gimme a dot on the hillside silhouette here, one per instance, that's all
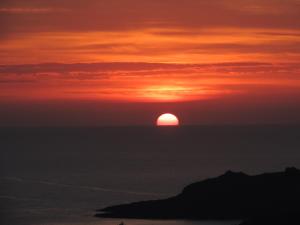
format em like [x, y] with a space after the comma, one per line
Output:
[274, 218]
[233, 195]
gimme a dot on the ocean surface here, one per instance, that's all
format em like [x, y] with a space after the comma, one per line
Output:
[58, 176]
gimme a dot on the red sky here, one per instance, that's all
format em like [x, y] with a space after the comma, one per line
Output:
[123, 62]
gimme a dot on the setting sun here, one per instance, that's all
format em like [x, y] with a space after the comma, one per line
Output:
[167, 119]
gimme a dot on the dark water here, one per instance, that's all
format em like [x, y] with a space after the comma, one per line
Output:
[61, 175]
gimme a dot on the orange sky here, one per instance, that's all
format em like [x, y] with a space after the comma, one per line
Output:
[150, 52]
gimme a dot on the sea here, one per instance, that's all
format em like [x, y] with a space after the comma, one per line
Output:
[62, 175]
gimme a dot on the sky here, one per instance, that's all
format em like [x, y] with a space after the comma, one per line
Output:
[125, 62]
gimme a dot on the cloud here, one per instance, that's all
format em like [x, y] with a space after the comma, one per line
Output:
[31, 10]
[153, 45]
[264, 7]
[140, 68]
[109, 15]
[86, 67]
[144, 81]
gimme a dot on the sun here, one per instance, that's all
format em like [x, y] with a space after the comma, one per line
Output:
[167, 119]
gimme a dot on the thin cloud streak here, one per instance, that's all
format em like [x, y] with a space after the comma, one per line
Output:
[32, 10]
[210, 46]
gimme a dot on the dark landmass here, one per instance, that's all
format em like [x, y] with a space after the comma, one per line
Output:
[281, 218]
[229, 196]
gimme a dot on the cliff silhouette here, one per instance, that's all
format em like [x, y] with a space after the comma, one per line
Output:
[233, 195]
